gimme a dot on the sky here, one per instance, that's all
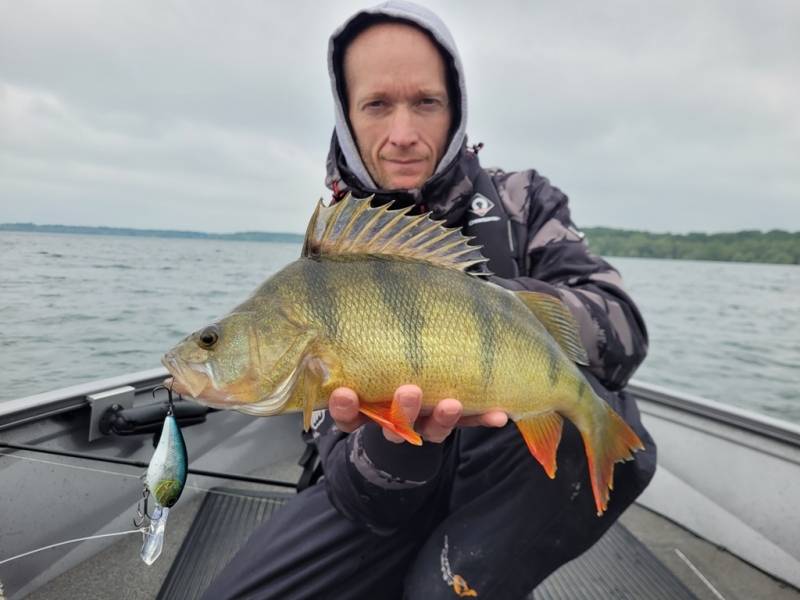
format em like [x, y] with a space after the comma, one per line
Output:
[216, 116]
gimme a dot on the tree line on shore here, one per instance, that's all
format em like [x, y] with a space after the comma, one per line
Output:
[774, 246]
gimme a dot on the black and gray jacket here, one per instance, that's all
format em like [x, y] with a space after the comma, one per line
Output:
[525, 228]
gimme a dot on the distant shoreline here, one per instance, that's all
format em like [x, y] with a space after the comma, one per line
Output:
[241, 236]
[772, 247]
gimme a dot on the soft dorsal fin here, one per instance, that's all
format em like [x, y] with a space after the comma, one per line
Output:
[353, 226]
[559, 323]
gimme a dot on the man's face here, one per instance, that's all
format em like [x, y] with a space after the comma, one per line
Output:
[398, 104]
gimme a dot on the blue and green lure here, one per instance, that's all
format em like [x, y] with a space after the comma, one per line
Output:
[163, 481]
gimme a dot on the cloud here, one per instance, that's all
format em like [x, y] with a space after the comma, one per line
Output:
[648, 116]
[217, 116]
[73, 165]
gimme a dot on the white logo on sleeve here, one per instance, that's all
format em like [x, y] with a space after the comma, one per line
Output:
[317, 417]
[480, 205]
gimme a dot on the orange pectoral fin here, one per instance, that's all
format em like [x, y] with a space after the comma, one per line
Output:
[542, 434]
[391, 416]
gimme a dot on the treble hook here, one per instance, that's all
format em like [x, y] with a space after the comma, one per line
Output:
[170, 401]
[142, 510]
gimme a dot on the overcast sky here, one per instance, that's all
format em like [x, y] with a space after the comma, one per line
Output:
[216, 116]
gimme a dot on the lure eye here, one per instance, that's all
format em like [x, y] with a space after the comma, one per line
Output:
[209, 337]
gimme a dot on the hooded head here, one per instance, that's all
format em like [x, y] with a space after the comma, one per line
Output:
[369, 158]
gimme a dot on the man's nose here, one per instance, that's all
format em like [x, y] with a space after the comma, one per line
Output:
[403, 131]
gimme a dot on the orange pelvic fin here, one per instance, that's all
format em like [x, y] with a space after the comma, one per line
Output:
[542, 434]
[611, 443]
[391, 416]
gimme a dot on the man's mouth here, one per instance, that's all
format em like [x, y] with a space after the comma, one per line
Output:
[405, 167]
[405, 161]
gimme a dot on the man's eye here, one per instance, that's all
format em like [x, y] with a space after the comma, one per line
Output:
[375, 105]
[429, 103]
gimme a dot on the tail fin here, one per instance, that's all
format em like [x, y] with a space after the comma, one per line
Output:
[611, 440]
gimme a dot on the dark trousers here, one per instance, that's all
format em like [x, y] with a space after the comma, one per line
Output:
[496, 528]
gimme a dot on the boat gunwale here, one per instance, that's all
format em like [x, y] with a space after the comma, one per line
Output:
[776, 429]
[47, 404]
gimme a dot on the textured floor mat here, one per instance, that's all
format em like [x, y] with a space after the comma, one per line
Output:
[618, 567]
[222, 525]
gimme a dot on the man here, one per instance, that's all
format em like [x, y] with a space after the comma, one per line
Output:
[469, 513]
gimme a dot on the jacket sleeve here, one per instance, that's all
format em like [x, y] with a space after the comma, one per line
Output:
[374, 482]
[558, 261]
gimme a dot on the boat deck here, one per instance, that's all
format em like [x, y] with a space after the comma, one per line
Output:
[680, 559]
[709, 571]
[60, 488]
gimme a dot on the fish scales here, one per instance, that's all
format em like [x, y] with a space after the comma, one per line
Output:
[380, 299]
[401, 303]
[399, 321]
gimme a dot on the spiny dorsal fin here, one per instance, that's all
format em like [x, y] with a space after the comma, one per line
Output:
[559, 323]
[353, 226]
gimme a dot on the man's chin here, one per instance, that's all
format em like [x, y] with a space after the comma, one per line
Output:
[403, 182]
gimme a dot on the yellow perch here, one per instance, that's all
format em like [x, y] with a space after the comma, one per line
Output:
[380, 298]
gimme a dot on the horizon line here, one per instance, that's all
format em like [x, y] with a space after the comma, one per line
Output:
[30, 224]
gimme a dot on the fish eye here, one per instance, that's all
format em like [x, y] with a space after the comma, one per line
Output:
[208, 337]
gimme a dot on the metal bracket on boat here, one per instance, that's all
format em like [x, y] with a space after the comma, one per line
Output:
[149, 418]
[103, 401]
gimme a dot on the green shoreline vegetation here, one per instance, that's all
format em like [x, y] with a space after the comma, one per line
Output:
[776, 246]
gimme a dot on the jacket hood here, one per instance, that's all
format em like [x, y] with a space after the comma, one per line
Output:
[344, 161]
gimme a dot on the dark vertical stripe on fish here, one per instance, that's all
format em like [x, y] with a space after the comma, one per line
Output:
[400, 296]
[552, 357]
[483, 312]
[581, 388]
[321, 297]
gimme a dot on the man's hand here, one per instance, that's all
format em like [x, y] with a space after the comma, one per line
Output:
[435, 427]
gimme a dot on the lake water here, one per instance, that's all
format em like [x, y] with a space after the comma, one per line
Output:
[76, 308]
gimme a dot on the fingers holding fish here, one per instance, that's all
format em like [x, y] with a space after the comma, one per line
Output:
[440, 423]
[344, 410]
[409, 400]
[494, 418]
[447, 415]
[399, 417]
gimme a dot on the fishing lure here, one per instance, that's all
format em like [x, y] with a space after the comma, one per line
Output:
[163, 481]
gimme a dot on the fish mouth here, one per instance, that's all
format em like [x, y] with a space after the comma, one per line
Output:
[195, 380]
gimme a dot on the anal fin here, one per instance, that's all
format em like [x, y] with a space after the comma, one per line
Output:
[391, 416]
[542, 434]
